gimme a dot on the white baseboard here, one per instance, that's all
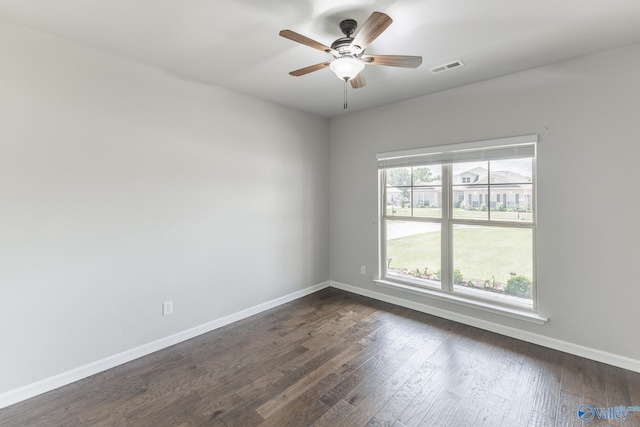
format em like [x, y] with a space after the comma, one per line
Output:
[556, 344]
[65, 378]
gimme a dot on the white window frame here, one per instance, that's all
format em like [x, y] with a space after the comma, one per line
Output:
[445, 156]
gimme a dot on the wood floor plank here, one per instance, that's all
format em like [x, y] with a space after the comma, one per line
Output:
[507, 375]
[548, 390]
[384, 365]
[250, 373]
[492, 411]
[262, 390]
[594, 391]
[402, 398]
[568, 408]
[633, 385]
[616, 385]
[506, 422]
[161, 412]
[297, 413]
[521, 404]
[374, 362]
[460, 375]
[336, 415]
[441, 411]
[541, 420]
[261, 385]
[472, 402]
[314, 378]
[211, 408]
[47, 405]
[338, 359]
[377, 397]
[414, 413]
[572, 375]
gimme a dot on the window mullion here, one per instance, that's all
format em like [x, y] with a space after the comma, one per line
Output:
[489, 191]
[411, 191]
[446, 270]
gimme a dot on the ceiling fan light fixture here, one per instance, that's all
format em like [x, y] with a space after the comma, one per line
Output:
[346, 68]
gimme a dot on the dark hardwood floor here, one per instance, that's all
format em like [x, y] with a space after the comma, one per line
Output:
[338, 359]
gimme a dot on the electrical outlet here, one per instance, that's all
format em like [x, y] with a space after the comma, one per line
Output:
[363, 269]
[167, 308]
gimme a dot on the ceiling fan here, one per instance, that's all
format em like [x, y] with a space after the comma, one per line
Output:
[348, 52]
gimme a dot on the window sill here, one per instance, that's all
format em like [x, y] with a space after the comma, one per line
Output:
[513, 312]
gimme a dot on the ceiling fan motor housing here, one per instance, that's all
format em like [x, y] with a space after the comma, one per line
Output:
[342, 45]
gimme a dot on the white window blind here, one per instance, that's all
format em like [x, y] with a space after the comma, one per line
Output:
[494, 149]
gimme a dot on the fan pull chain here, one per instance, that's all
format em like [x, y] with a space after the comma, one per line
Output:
[345, 106]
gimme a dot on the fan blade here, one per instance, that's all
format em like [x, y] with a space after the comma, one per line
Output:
[299, 38]
[372, 28]
[358, 81]
[393, 60]
[310, 69]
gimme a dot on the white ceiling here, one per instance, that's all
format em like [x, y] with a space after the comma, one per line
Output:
[235, 43]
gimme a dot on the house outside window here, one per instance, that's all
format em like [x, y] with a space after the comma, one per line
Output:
[465, 225]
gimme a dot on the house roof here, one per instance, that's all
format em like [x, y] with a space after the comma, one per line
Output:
[430, 183]
[497, 177]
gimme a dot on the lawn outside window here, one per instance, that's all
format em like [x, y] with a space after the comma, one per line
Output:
[460, 220]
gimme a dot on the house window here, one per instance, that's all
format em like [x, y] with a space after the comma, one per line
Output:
[470, 240]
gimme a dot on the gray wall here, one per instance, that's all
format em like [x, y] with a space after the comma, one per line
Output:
[586, 113]
[122, 187]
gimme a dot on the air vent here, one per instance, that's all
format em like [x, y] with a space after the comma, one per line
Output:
[446, 67]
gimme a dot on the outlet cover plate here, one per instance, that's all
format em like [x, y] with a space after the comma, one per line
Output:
[167, 308]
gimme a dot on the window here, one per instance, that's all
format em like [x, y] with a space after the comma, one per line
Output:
[460, 220]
